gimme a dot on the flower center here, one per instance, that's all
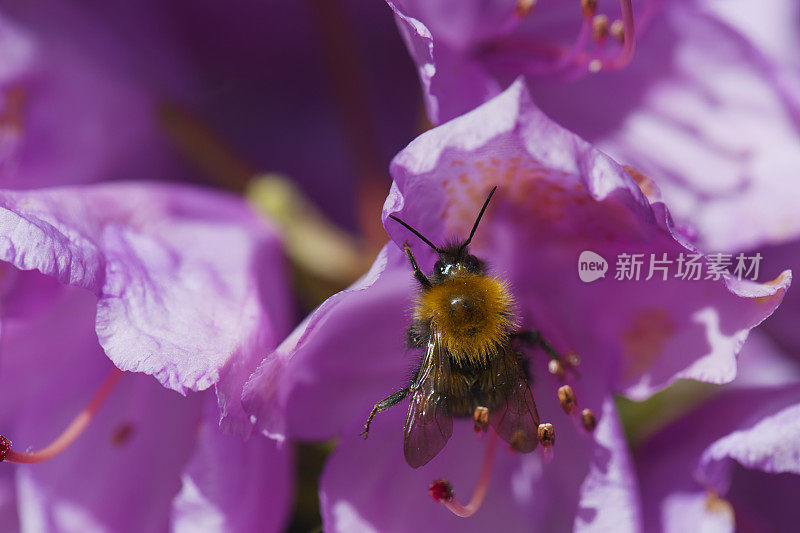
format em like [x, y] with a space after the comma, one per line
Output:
[589, 52]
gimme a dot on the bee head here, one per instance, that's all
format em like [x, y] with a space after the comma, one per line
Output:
[455, 260]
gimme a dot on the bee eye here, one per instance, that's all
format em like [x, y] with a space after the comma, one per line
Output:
[471, 262]
[439, 267]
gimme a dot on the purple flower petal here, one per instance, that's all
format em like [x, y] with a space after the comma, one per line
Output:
[231, 485]
[705, 466]
[718, 101]
[67, 84]
[762, 364]
[189, 284]
[524, 492]
[771, 445]
[445, 96]
[125, 471]
[9, 520]
[609, 498]
[685, 511]
[782, 326]
[772, 26]
[350, 348]
[129, 457]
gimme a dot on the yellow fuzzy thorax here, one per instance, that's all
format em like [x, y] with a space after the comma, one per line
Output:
[472, 314]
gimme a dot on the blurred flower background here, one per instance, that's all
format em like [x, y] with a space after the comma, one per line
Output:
[182, 183]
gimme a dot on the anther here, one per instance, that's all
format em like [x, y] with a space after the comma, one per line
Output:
[547, 435]
[617, 30]
[481, 418]
[68, 436]
[567, 398]
[442, 492]
[588, 420]
[589, 8]
[523, 8]
[599, 27]
[557, 369]
[572, 359]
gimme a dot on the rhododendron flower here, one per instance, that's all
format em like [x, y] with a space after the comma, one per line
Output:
[73, 72]
[181, 283]
[67, 84]
[557, 197]
[467, 52]
[700, 101]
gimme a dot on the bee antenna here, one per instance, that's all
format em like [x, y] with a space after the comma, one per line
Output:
[415, 232]
[477, 220]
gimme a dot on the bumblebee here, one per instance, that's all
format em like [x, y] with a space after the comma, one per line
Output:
[464, 321]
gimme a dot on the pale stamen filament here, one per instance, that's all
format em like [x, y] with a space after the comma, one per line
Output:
[571, 55]
[629, 39]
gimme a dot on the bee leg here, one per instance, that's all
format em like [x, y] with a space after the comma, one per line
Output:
[522, 359]
[558, 364]
[424, 281]
[384, 404]
[418, 334]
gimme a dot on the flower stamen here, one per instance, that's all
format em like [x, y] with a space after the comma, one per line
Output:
[442, 491]
[556, 368]
[481, 418]
[571, 55]
[572, 359]
[617, 30]
[600, 28]
[555, 59]
[523, 8]
[588, 420]
[566, 397]
[626, 36]
[547, 438]
[68, 436]
[589, 8]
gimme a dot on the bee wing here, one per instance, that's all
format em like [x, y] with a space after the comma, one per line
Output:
[514, 416]
[429, 422]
